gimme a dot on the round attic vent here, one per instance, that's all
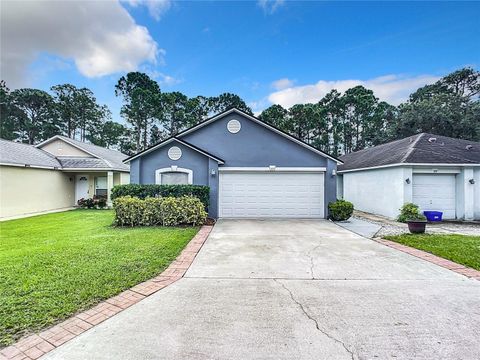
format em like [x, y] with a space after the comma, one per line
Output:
[432, 139]
[174, 153]
[469, 147]
[234, 126]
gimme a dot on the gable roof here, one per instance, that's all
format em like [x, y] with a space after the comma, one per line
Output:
[423, 148]
[110, 159]
[169, 140]
[19, 154]
[250, 117]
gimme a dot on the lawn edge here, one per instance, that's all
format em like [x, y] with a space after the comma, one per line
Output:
[434, 259]
[34, 346]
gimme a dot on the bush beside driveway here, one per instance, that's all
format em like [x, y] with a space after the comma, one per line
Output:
[54, 265]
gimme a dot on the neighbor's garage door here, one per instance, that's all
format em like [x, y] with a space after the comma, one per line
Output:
[435, 192]
[271, 194]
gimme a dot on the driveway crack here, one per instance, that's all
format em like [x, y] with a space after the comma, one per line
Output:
[311, 318]
[312, 262]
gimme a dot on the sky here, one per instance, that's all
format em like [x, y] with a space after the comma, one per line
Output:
[267, 52]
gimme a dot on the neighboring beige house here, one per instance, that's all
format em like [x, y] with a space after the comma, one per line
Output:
[55, 174]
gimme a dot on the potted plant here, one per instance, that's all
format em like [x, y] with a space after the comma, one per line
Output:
[417, 225]
[410, 214]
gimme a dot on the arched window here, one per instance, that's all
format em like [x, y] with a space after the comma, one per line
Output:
[173, 175]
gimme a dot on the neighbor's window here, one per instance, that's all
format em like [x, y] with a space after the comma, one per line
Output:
[174, 178]
[101, 186]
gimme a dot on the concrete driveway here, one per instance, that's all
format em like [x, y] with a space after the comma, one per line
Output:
[295, 289]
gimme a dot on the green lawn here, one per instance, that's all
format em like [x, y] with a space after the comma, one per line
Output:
[52, 266]
[461, 249]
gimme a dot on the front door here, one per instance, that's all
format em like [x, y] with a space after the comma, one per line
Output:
[81, 187]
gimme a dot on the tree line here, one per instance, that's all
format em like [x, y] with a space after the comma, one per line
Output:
[356, 119]
[338, 123]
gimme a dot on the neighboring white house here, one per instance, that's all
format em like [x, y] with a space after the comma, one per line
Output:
[55, 174]
[435, 172]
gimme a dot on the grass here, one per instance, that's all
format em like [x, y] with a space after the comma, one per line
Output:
[461, 249]
[54, 265]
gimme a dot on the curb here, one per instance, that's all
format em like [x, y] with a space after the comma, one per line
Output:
[34, 346]
[447, 264]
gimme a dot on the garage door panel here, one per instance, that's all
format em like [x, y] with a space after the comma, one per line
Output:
[435, 192]
[254, 194]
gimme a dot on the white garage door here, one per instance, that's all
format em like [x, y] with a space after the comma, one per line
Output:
[271, 194]
[435, 192]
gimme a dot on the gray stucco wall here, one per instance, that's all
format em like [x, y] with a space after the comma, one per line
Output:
[159, 159]
[253, 146]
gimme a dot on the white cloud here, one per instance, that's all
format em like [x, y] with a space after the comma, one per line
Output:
[163, 79]
[99, 36]
[391, 88]
[281, 84]
[156, 8]
[270, 6]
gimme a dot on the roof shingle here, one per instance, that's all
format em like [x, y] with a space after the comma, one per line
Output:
[27, 155]
[421, 148]
[15, 153]
[113, 158]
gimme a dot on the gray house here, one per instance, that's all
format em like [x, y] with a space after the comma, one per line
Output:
[253, 169]
[435, 172]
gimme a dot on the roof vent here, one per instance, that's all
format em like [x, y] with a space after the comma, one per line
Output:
[174, 153]
[234, 126]
[432, 140]
[469, 147]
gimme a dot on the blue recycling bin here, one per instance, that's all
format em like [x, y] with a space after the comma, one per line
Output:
[433, 215]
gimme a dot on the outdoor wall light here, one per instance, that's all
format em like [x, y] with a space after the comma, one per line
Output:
[407, 180]
[471, 181]
[334, 172]
[212, 172]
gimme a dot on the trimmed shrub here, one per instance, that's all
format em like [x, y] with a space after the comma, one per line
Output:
[166, 211]
[409, 211]
[143, 191]
[193, 211]
[128, 211]
[340, 210]
[152, 211]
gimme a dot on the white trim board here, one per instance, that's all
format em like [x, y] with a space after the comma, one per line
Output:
[31, 166]
[173, 168]
[93, 170]
[275, 169]
[407, 164]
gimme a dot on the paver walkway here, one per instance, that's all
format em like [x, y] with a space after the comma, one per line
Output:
[295, 289]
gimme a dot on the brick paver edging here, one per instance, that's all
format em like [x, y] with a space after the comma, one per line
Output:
[450, 265]
[34, 346]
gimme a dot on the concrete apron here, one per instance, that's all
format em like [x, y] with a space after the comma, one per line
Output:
[295, 289]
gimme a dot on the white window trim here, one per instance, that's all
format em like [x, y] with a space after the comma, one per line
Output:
[273, 169]
[173, 168]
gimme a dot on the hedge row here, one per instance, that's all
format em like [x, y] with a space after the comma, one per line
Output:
[144, 191]
[166, 211]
